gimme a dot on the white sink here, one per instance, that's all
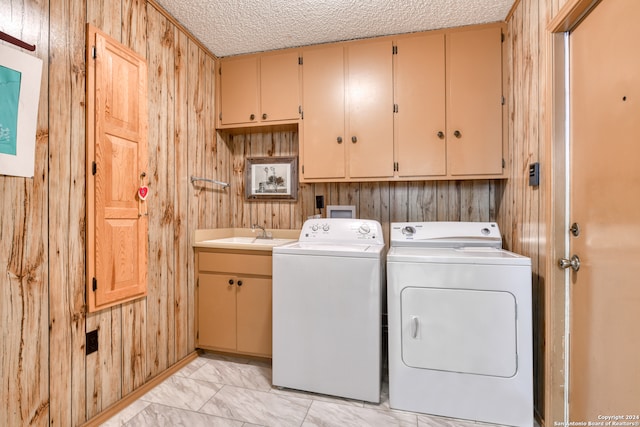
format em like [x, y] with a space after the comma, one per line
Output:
[250, 241]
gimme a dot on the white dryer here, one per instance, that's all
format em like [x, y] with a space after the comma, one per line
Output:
[459, 314]
[327, 297]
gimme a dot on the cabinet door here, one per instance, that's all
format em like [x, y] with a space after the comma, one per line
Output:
[239, 90]
[254, 316]
[216, 311]
[323, 142]
[279, 87]
[370, 101]
[474, 102]
[419, 123]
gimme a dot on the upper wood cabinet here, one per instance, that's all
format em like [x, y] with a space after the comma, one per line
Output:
[420, 138]
[415, 106]
[448, 91]
[259, 89]
[474, 102]
[323, 138]
[347, 105]
[370, 99]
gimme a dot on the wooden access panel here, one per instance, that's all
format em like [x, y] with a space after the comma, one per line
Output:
[117, 224]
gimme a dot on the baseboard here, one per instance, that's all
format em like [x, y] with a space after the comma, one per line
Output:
[139, 392]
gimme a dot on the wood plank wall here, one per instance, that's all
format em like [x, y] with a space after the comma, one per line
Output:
[523, 210]
[46, 379]
[44, 374]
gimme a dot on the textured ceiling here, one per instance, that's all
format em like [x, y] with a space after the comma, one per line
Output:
[231, 27]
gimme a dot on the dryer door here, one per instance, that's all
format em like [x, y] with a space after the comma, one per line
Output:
[459, 330]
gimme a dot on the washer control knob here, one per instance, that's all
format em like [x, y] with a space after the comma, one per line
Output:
[325, 227]
[485, 231]
[364, 229]
[409, 230]
[314, 227]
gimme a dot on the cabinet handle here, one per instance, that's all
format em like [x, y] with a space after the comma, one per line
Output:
[354, 139]
[441, 135]
[264, 116]
[457, 134]
[339, 139]
[252, 117]
[230, 281]
[239, 282]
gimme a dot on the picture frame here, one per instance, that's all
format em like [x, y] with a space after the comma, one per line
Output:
[20, 80]
[271, 178]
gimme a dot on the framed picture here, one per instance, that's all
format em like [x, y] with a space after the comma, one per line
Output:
[20, 78]
[271, 178]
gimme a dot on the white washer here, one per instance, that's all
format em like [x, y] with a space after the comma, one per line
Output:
[327, 296]
[459, 313]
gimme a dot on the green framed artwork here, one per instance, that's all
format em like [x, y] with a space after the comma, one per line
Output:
[20, 77]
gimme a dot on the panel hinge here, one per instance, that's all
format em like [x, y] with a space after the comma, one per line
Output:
[395, 108]
[396, 166]
[94, 168]
[220, 116]
[303, 169]
[300, 111]
[300, 61]
[94, 52]
[220, 70]
[504, 164]
[197, 334]
[94, 284]
[503, 100]
[394, 50]
[502, 37]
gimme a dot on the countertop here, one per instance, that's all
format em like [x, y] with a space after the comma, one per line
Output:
[209, 238]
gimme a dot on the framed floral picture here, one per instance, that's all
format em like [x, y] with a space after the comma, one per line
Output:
[271, 178]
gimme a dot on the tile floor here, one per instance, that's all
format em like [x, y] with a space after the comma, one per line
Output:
[217, 391]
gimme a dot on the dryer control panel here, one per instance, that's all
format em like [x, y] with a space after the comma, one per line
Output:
[342, 230]
[446, 234]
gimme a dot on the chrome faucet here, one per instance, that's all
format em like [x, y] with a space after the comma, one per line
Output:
[264, 235]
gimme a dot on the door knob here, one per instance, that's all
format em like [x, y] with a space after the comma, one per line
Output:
[574, 263]
[457, 134]
[354, 139]
[440, 135]
[339, 139]
[264, 116]
[239, 282]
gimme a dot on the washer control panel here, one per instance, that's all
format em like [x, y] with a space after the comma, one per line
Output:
[342, 230]
[446, 234]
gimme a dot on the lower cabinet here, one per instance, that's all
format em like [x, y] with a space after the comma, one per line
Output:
[234, 302]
